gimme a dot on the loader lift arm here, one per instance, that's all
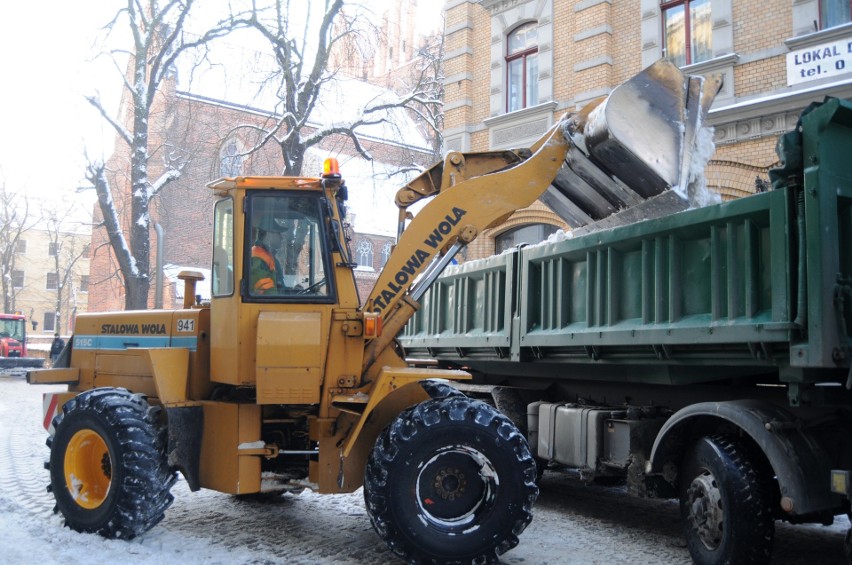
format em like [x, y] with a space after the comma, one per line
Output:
[620, 152]
[475, 192]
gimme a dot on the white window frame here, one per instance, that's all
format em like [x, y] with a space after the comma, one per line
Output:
[364, 250]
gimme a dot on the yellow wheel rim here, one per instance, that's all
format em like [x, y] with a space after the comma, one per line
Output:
[88, 469]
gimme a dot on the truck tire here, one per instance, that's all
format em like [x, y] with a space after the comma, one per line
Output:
[108, 470]
[724, 504]
[450, 480]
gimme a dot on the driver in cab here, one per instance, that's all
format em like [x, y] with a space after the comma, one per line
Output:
[266, 272]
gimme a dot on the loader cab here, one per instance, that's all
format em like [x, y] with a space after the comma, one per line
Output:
[275, 285]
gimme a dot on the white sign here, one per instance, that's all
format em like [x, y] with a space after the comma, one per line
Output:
[821, 61]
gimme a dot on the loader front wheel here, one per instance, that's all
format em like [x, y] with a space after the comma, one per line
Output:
[450, 480]
[108, 471]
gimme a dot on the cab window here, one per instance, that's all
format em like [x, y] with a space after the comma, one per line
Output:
[286, 248]
[223, 248]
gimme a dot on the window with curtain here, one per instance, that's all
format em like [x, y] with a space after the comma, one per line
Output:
[834, 12]
[522, 67]
[687, 31]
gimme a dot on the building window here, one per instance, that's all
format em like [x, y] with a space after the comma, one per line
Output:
[51, 248]
[522, 67]
[531, 233]
[364, 254]
[84, 283]
[17, 279]
[21, 247]
[49, 321]
[230, 160]
[52, 281]
[687, 31]
[386, 251]
[835, 12]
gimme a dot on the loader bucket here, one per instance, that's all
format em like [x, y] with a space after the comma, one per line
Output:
[632, 146]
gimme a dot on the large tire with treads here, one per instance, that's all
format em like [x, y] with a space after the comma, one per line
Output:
[725, 504]
[108, 470]
[451, 480]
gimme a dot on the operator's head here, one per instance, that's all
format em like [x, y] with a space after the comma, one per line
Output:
[269, 230]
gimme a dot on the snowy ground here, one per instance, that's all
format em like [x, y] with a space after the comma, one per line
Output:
[574, 523]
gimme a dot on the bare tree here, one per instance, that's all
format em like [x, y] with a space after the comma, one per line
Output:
[15, 220]
[67, 247]
[159, 38]
[302, 49]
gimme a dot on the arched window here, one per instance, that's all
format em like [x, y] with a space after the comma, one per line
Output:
[687, 31]
[530, 233]
[522, 67]
[834, 12]
[230, 160]
[386, 251]
[364, 254]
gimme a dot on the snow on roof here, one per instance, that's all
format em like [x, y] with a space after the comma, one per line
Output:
[234, 74]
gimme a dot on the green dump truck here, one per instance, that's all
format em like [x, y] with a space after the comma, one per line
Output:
[703, 356]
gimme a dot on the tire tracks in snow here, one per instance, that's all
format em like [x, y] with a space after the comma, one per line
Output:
[23, 479]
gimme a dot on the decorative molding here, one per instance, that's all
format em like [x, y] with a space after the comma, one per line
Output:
[769, 115]
[770, 125]
[470, 128]
[593, 32]
[458, 77]
[513, 135]
[450, 4]
[714, 64]
[495, 7]
[823, 36]
[463, 103]
[458, 53]
[586, 4]
[461, 26]
[591, 63]
[583, 97]
[516, 128]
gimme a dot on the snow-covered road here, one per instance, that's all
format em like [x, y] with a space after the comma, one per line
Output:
[573, 524]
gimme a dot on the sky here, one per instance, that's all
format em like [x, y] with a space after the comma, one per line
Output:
[50, 62]
[47, 67]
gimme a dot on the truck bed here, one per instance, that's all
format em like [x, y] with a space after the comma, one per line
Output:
[755, 286]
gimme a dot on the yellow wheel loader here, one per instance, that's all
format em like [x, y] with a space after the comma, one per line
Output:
[284, 381]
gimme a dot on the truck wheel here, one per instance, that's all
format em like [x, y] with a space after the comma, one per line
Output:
[108, 470]
[724, 505]
[450, 480]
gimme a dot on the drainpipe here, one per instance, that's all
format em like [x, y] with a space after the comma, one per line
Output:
[158, 289]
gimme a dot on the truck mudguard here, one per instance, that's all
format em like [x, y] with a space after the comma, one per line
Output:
[791, 450]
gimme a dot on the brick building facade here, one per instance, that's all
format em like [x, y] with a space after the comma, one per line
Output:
[774, 59]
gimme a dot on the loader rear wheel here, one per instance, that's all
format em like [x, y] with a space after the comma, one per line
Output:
[108, 470]
[450, 480]
[724, 504]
